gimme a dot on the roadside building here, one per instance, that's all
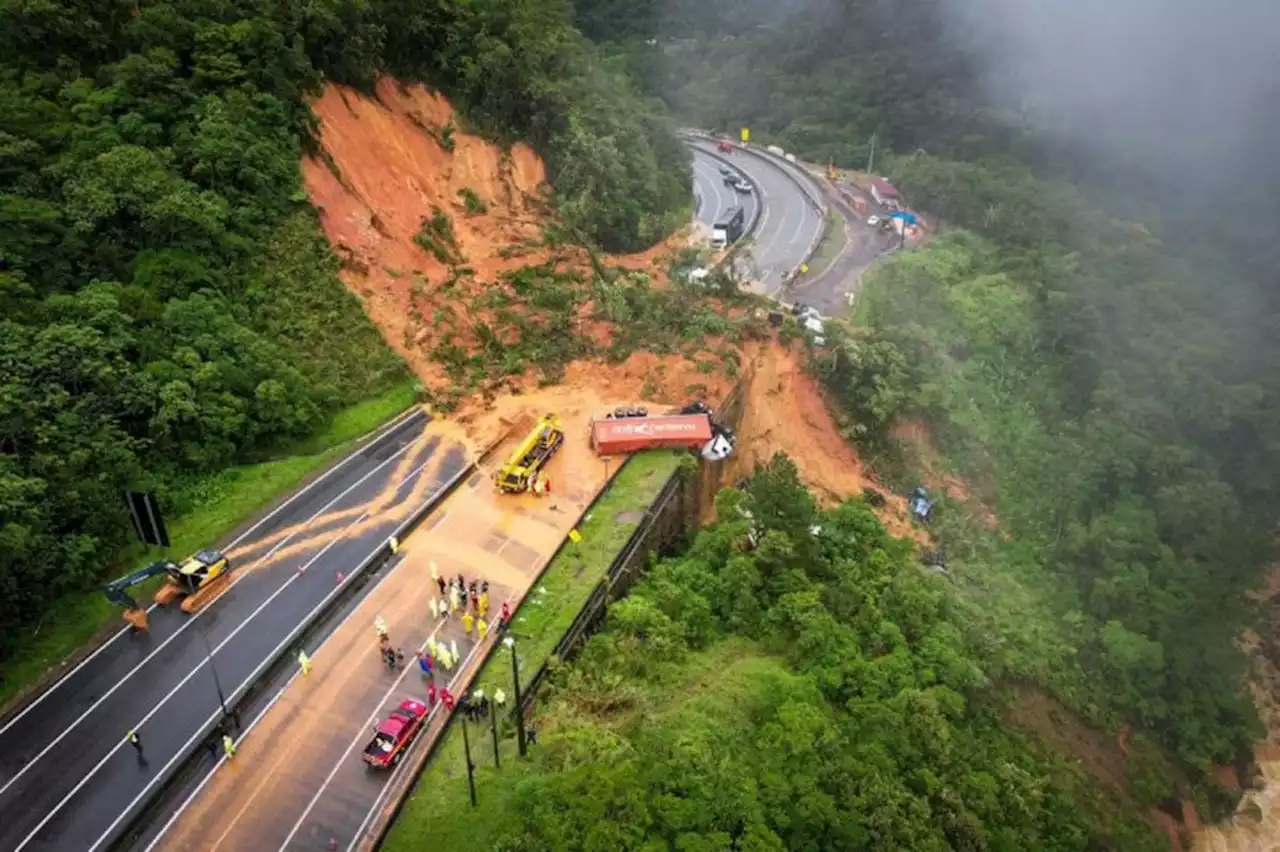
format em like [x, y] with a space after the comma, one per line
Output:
[885, 194]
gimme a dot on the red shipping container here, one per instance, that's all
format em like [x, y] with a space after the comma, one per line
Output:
[628, 434]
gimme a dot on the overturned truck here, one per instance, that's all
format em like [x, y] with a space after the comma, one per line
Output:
[629, 430]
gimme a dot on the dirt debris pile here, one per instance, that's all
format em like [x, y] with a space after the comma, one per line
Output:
[428, 221]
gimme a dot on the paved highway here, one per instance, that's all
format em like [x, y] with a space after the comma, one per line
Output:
[67, 778]
[788, 222]
[298, 781]
[713, 196]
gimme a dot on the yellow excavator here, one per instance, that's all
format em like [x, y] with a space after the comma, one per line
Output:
[198, 579]
[520, 471]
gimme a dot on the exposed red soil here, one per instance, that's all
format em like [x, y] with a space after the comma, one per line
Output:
[384, 168]
[787, 412]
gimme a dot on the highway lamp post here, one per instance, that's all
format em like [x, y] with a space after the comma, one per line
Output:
[493, 728]
[519, 708]
[217, 683]
[464, 706]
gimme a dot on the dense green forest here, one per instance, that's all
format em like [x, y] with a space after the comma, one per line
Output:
[1093, 353]
[169, 304]
[791, 681]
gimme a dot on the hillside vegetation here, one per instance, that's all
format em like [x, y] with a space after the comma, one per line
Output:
[811, 691]
[170, 307]
[1095, 357]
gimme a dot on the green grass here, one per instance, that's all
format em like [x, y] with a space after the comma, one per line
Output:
[552, 606]
[715, 678]
[229, 498]
[833, 242]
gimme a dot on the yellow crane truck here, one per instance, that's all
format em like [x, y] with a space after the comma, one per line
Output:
[198, 579]
[522, 467]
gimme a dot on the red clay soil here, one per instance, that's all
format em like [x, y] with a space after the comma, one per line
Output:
[383, 169]
[787, 412]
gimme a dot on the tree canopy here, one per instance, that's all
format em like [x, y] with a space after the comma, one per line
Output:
[790, 681]
[169, 305]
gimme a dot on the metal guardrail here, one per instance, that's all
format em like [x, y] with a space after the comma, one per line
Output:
[788, 168]
[248, 687]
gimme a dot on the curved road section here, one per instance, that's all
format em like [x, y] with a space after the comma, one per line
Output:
[789, 221]
[68, 779]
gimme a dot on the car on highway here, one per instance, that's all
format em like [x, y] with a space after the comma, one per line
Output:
[728, 172]
[724, 146]
[394, 734]
[742, 186]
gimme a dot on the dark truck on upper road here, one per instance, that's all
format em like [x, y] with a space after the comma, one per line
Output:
[394, 734]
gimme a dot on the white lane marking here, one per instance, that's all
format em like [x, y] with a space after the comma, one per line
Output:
[63, 802]
[382, 433]
[715, 190]
[386, 788]
[360, 737]
[187, 623]
[186, 803]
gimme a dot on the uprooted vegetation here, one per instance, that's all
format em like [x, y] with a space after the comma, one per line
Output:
[543, 317]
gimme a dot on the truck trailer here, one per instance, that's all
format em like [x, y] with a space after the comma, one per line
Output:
[729, 229]
[612, 436]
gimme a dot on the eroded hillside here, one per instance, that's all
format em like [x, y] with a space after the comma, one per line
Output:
[447, 240]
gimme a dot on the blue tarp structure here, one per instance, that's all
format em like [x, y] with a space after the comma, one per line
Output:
[907, 217]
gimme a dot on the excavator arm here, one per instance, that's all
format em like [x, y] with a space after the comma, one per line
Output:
[117, 592]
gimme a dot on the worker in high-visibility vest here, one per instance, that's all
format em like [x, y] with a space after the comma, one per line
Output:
[228, 746]
[467, 620]
[304, 662]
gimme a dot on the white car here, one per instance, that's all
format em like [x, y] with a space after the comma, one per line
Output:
[873, 222]
[742, 186]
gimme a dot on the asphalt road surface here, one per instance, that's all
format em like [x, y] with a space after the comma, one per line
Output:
[830, 290]
[68, 778]
[788, 221]
[714, 197]
[298, 781]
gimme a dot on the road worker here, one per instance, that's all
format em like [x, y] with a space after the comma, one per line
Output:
[228, 746]
[304, 662]
[482, 627]
[467, 620]
[499, 698]
[136, 741]
[435, 608]
[484, 604]
[380, 627]
[453, 651]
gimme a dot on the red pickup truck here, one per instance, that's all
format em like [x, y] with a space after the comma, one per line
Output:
[395, 733]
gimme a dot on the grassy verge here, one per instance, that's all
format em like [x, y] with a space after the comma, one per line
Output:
[833, 242]
[227, 499]
[551, 608]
